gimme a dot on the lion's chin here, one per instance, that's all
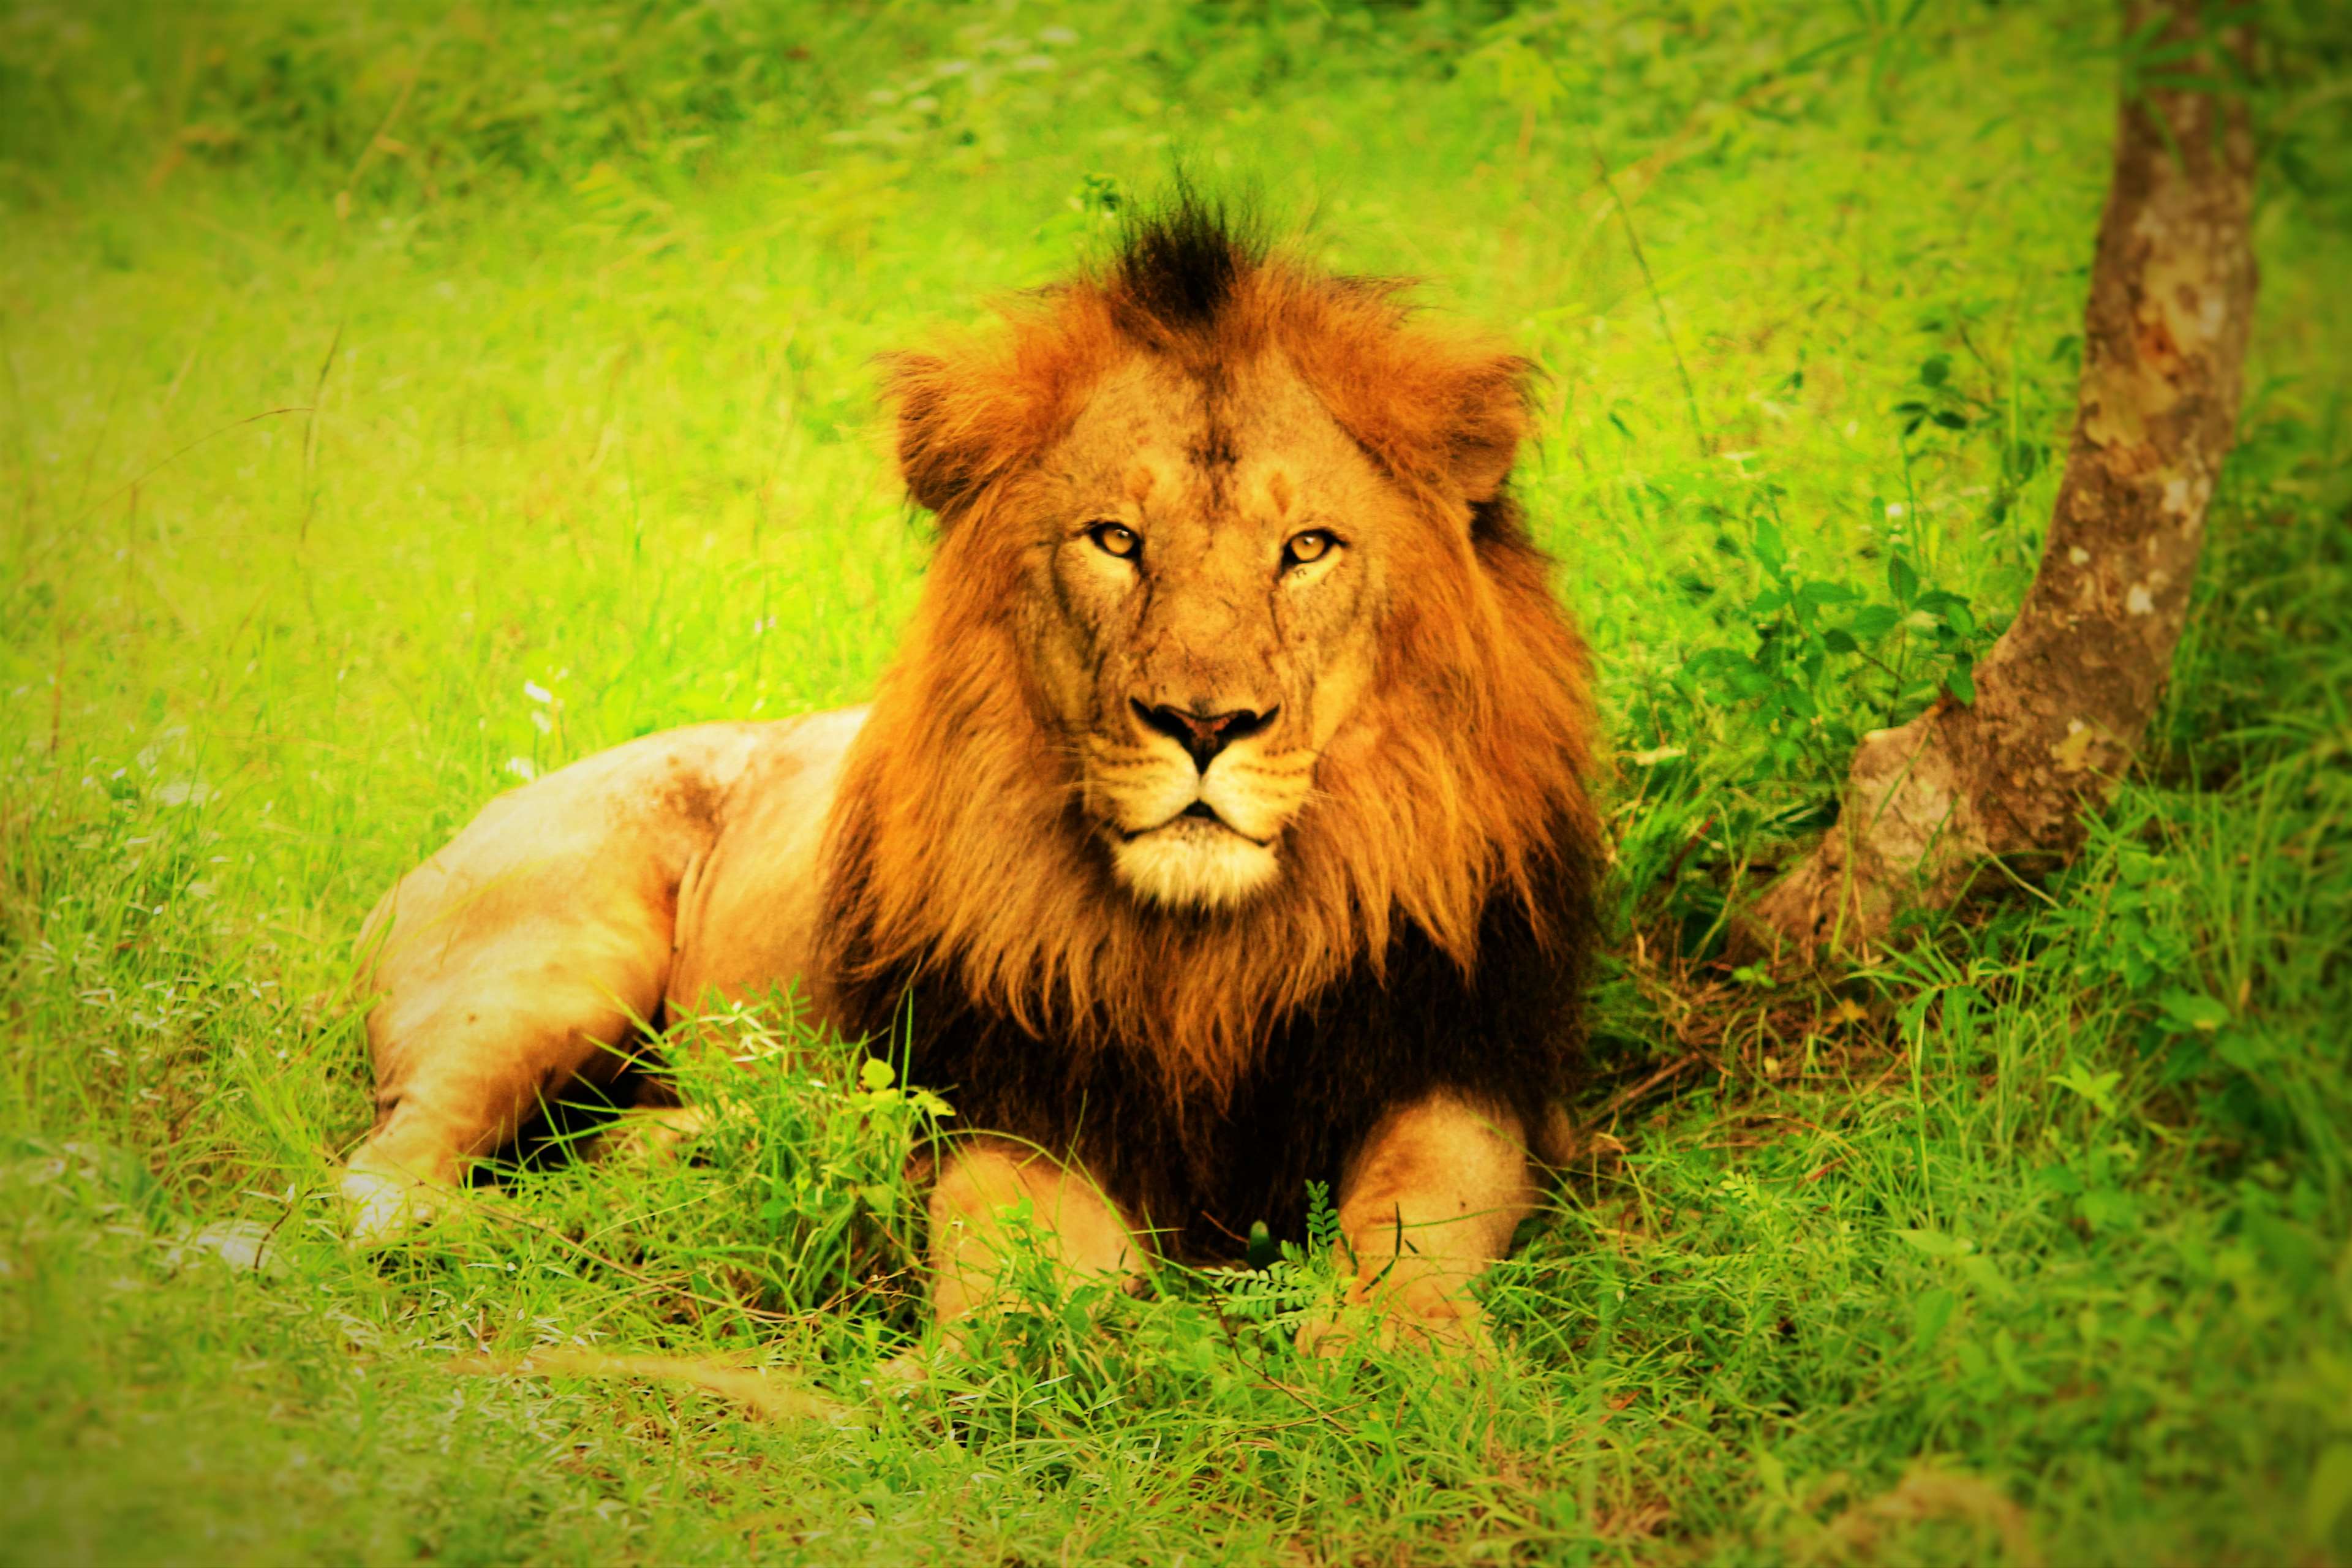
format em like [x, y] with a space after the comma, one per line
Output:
[1194, 865]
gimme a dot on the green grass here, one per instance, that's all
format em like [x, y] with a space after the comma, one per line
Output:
[2034, 1243]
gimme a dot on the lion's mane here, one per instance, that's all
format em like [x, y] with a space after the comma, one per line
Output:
[1431, 925]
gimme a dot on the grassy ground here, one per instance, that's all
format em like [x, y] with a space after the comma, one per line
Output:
[396, 404]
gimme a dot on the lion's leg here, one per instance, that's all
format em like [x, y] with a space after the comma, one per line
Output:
[524, 954]
[989, 1193]
[465, 1055]
[1429, 1201]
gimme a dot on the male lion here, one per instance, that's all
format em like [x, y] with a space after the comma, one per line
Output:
[1222, 824]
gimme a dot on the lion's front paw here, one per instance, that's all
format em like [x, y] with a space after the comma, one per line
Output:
[1420, 1314]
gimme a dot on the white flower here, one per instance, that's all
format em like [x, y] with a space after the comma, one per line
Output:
[520, 767]
[536, 692]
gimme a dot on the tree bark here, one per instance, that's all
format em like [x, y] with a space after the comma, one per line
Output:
[2065, 696]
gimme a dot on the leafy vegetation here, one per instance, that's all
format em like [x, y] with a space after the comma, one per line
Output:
[403, 402]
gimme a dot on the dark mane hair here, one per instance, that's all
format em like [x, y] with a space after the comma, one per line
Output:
[1398, 1024]
[1178, 264]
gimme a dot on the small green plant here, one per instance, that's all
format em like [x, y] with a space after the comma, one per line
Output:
[1275, 1297]
[813, 1137]
[1829, 657]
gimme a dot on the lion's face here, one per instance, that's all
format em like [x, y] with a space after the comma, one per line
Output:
[1202, 616]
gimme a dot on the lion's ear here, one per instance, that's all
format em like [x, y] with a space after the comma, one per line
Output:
[961, 422]
[938, 454]
[1489, 419]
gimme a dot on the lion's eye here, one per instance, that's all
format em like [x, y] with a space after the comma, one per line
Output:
[1115, 539]
[1307, 548]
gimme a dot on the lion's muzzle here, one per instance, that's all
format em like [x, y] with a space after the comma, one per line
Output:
[1196, 824]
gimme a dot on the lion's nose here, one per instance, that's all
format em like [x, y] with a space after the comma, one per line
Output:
[1202, 735]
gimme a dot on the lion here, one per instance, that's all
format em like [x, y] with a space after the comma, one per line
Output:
[1222, 824]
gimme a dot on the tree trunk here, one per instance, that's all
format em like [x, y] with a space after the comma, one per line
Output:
[2065, 696]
